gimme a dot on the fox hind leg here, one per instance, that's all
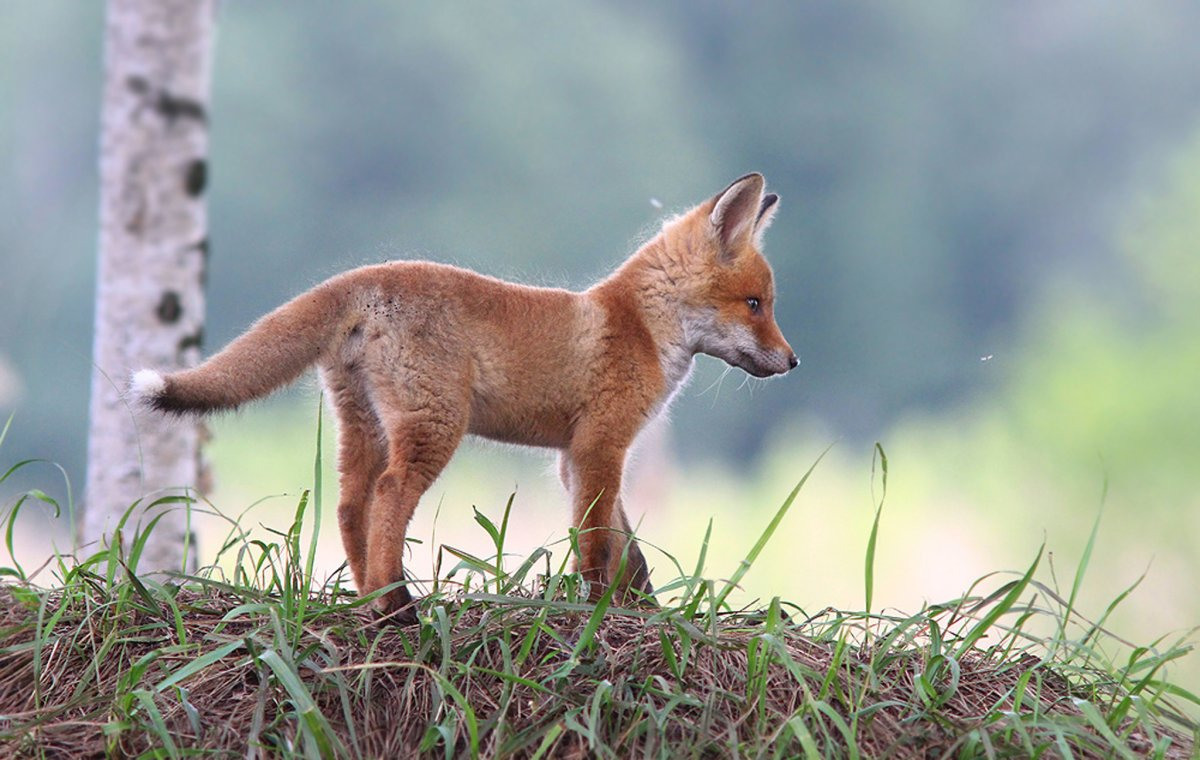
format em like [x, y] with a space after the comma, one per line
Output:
[362, 456]
[420, 444]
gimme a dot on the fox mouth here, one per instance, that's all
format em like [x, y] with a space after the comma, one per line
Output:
[753, 365]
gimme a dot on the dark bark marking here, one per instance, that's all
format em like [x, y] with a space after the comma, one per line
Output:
[174, 108]
[195, 340]
[170, 309]
[170, 107]
[201, 246]
[138, 84]
[137, 219]
[195, 177]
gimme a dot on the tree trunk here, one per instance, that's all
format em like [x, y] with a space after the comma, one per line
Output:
[152, 258]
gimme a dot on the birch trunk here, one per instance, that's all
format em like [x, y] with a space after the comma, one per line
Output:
[152, 258]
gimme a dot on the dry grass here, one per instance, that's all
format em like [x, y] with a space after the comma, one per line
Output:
[271, 662]
[119, 677]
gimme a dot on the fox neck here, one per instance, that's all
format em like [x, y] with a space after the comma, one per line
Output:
[654, 278]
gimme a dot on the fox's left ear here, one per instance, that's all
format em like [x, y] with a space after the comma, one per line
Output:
[766, 213]
[736, 212]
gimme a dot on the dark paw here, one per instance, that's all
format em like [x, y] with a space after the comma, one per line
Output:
[403, 617]
[396, 607]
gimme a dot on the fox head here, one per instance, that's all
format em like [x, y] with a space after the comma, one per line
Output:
[728, 299]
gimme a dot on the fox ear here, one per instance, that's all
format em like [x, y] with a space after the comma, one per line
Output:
[766, 214]
[736, 210]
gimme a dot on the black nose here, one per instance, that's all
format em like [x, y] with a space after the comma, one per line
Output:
[793, 361]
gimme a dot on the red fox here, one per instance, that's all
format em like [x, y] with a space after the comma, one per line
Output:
[415, 355]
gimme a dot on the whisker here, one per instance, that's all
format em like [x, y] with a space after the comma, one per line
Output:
[717, 384]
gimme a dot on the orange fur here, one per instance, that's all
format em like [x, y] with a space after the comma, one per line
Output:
[415, 355]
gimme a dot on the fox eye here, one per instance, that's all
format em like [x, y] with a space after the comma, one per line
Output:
[753, 304]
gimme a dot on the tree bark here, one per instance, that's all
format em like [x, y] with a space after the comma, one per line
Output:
[152, 259]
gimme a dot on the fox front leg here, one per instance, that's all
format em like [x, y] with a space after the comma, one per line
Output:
[608, 555]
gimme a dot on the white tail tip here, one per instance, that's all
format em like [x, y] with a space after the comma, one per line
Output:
[147, 384]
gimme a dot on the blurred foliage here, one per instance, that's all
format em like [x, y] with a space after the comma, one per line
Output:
[1098, 410]
[1115, 375]
[942, 166]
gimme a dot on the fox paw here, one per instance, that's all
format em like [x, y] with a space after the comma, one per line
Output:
[397, 607]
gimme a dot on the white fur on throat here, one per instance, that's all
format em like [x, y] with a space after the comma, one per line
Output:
[147, 384]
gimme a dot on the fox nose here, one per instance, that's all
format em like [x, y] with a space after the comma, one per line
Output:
[793, 361]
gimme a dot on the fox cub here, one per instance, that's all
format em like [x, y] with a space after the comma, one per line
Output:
[415, 355]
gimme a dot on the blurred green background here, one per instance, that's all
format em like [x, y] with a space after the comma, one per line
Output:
[985, 257]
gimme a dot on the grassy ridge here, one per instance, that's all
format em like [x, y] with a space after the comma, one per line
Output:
[264, 659]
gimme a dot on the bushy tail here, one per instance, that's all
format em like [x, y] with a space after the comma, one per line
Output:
[272, 353]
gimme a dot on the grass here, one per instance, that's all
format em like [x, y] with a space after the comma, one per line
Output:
[267, 660]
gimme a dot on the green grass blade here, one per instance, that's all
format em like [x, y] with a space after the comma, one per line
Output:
[548, 741]
[314, 722]
[1096, 720]
[199, 664]
[869, 575]
[158, 726]
[593, 623]
[316, 502]
[1001, 608]
[748, 562]
[804, 736]
[1081, 569]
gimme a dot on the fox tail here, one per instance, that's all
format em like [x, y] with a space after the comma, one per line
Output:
[272, 353]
